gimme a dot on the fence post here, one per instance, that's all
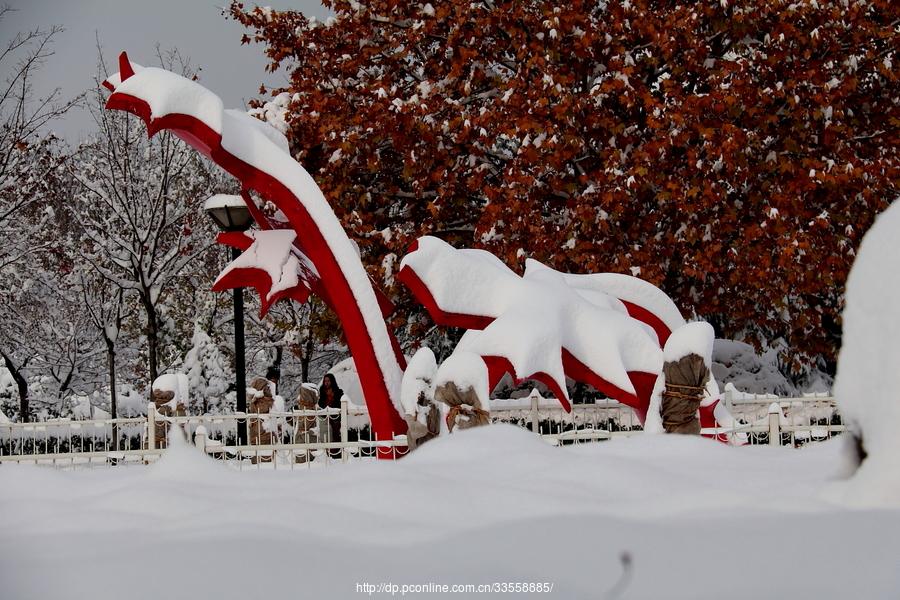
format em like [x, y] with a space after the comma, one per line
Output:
[151, 426]
[774, 424]
[535, 416]
[200, 438]
[344, 429]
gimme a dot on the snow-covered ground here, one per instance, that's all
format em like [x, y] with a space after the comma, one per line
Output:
[698, 519]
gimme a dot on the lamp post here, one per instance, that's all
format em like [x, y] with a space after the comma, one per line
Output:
[231, 214]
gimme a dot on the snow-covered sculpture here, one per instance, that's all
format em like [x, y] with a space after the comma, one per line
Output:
[328, 264]
[868, 371]
[606, 330]
[269, 262]
[544, 325]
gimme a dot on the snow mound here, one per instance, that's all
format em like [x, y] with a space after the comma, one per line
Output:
[867, 386]
[181, 461]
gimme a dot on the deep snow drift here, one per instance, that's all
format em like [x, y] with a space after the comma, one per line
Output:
[699, 520]
[868, 374]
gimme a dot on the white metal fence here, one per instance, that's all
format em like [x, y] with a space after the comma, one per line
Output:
[316, 438]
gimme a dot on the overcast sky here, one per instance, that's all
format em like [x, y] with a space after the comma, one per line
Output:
[195, 27]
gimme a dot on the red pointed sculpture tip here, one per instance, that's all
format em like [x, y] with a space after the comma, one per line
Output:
[125, 69]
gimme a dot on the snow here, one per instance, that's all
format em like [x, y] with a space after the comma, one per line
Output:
[167, 93]
[692, 338]
[868, 378]
[115, 79]
[177, 383]
[633, 290]
[738, 363]
[223, 201]
[83, 409]
[463, 281]
[274, 135]
[347, 379]
[698, 520]
[7, 383]
[417, 379]
[465, 370]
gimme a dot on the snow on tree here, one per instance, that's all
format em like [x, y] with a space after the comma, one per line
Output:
[30, 198]
[140, 202]
[107, 310]
[207, 371]
[733, 152]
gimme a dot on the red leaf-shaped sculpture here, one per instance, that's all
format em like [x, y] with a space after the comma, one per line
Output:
[269, 263]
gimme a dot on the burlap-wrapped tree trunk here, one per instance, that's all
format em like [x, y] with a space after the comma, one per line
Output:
[260, 404]
[417, 433]
[304, 428]
[466, 409]
[686, 381]
[163, 401]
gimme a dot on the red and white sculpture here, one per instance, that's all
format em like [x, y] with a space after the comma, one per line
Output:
[605, 330]
[257, 155]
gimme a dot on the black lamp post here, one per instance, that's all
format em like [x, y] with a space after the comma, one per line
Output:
[231, 214]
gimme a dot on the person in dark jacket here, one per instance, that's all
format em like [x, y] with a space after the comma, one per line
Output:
[330, 397]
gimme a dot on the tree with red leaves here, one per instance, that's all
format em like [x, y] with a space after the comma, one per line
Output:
[732, 153]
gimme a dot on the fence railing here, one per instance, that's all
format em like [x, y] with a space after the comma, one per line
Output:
[321, 437]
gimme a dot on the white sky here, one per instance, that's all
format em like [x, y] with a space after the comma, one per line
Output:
[195, 27]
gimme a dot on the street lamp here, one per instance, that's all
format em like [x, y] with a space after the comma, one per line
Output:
[231, 214]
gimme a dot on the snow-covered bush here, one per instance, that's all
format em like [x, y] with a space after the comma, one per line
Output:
[208, 373]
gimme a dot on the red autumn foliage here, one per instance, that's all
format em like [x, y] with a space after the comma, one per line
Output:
[732, 153]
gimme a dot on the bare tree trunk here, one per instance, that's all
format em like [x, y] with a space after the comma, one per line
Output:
[152, 337]
[275, 369]
[113, 408]
[305, 359]
[22, 385]
[23, 396]
[111, 360]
